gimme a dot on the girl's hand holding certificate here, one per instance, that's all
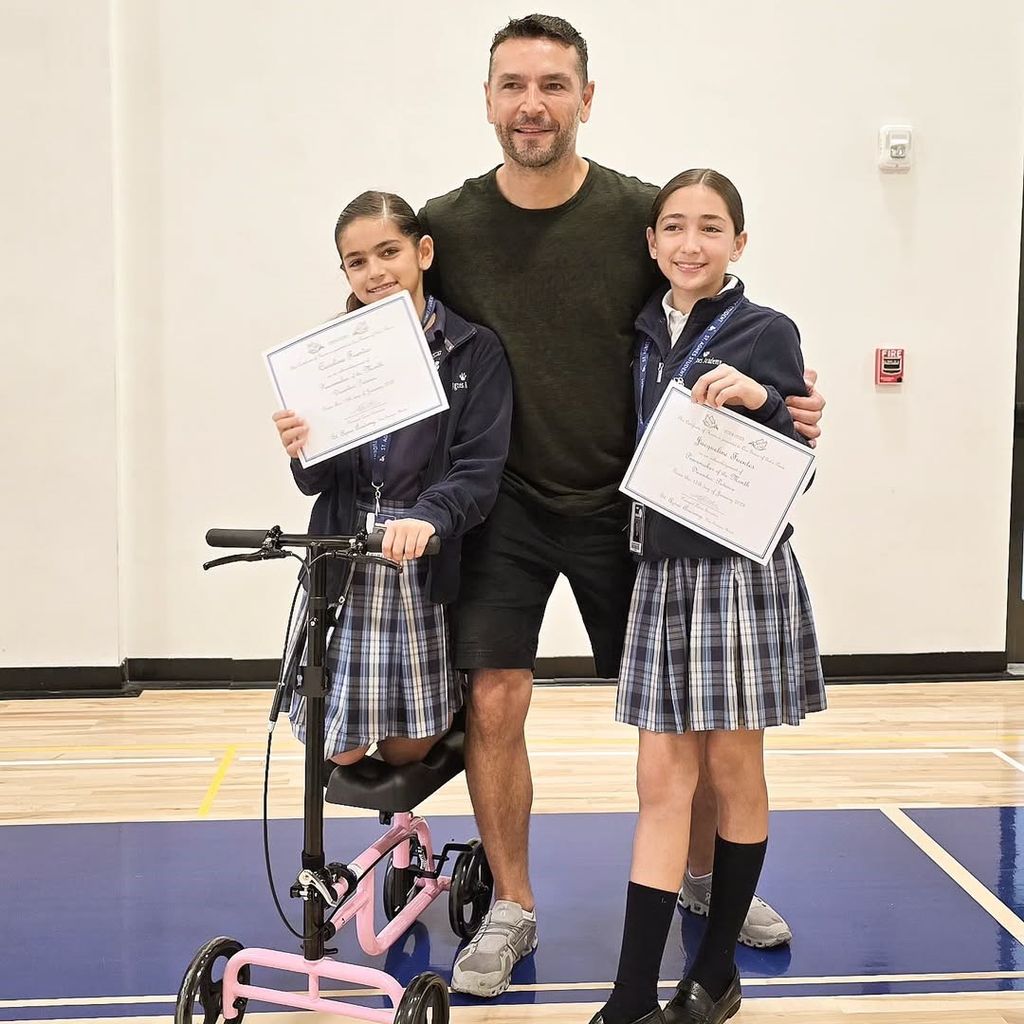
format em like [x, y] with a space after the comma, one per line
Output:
[293, 431]
[725, 385]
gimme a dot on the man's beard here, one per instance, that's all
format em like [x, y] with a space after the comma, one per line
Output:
[528, 154]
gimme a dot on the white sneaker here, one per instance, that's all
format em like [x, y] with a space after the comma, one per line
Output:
[484, 966]
[764, 928]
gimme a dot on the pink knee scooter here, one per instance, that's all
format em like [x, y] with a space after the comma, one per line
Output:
[334, 894]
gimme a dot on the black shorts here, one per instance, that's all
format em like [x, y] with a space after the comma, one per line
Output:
[509, 568]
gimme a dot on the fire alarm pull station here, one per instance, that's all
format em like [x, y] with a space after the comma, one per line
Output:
[888, 366]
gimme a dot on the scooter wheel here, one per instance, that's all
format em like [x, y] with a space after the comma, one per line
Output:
[200, 997]
[399, 889]
[425, 1001]
[472, 887]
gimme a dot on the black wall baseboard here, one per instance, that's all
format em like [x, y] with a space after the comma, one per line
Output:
[841, 668]
[137, 674]
[106, 681]
[883, 668]
[206, 673]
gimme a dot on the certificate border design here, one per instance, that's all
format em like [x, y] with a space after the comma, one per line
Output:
[424, 351]
[761, 557]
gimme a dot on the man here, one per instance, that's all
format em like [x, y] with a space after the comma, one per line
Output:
[549, 251]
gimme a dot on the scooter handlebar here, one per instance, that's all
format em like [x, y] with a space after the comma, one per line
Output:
[374, 540]
[236, 538]
[256, 539]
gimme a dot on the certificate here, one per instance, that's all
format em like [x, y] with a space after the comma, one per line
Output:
[718, 473]
[358, 377]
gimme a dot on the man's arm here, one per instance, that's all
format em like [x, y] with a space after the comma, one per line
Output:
[807, 412]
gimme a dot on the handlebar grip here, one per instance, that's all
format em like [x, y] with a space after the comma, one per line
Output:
[373, 543]
[236, 538]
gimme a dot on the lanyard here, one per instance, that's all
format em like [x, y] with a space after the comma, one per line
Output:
[380, 447]
[702, 343]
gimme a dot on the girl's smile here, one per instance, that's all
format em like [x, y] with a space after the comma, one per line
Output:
[379, 291]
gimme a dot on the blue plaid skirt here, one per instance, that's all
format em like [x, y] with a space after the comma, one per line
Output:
[719, 643]
[389, 664]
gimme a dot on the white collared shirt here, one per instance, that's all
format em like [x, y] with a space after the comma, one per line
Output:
[677, 321]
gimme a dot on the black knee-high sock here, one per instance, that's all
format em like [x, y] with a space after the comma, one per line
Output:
[737, 869]
[648, 920]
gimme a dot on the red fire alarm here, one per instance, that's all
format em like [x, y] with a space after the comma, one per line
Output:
[888, 366]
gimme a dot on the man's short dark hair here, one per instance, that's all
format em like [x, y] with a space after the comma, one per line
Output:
[543, 26]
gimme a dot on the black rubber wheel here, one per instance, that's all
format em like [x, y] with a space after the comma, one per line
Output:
[399, 886]
[201, 993]
[471, 891]
[425, 1001]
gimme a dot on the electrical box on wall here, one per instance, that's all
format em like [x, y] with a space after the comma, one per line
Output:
[889, 365]
[895, 148]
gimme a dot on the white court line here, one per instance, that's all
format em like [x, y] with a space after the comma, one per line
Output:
[631, 752]
[26, 1004]
[886, 979]
[578, 986]
[1009, 760]
[803, 752]
[40, 762]
[837, 979]
[981, 894]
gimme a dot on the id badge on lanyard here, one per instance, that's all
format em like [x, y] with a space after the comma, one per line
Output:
[636, 529]
[377, 520]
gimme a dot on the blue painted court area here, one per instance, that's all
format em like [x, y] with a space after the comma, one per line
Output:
[103, 911]
[988, 841]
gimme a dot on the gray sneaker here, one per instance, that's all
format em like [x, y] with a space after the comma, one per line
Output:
[484, 967]
[762, 929]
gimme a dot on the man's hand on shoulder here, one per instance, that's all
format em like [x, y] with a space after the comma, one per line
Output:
[807, 411]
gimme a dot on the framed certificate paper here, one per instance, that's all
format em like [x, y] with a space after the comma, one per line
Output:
[718, 473]
[358, 377]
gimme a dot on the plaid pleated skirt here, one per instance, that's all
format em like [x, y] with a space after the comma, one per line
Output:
[389, 665]
[720, 643]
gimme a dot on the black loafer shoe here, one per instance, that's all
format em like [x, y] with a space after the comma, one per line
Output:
[654, 1017]
[692, 1005]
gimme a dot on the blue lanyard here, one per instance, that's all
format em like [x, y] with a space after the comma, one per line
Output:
[702, 343]
[380, 447]
[428, 311]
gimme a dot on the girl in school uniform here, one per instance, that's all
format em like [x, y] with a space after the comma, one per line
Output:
[718, 648]
[391, 678]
